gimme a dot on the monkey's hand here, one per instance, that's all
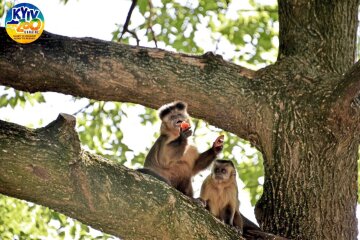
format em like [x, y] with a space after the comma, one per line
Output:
[218, 144]
[185, 133]
[239, 230]
[200, 202]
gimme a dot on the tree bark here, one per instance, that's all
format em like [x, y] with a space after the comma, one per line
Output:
[310, 188]
[302, 113]
[48, 167]
[323, 31]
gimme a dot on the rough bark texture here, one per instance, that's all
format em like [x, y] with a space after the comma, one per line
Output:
[48, 167]
[311, 170]
[302, 113]
[323, 32]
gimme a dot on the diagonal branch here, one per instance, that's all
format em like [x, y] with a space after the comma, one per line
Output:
[349, 88]
[109, 71]
[47, 166]
[346, 104]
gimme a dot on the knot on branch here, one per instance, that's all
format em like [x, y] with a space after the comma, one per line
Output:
[63, 130]
[213, 57]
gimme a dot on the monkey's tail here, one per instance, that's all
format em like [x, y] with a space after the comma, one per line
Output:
[153, 173]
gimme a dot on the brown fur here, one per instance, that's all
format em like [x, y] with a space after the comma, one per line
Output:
[171, 157]
[220, 193]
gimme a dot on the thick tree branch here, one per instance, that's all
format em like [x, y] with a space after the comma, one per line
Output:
[47, 166]
[220, 92]
[345, 113]
[348, 90]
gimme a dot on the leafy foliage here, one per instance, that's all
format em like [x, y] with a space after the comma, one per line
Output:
[5, 6]
[99, 129]
[247, 28]
[24, 220]
[14, 98]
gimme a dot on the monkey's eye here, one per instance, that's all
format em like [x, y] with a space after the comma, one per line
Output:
[223, 171]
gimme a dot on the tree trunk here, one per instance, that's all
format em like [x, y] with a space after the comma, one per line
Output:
[310, 188]
[322, 32]
[302, 112]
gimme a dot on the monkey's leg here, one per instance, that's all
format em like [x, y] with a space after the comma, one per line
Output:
[227, 215]
[182, 139]
[176, 148]
[202, 203]
[185, 187]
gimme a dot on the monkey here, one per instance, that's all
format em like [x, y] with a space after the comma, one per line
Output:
[172, 159]
[219, 192]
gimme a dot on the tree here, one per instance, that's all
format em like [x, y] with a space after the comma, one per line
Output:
[302, 112]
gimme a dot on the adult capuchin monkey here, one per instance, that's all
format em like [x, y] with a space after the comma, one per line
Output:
[172, 159]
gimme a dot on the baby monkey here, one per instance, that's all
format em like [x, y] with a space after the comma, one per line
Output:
[172, 159]
[220, 193]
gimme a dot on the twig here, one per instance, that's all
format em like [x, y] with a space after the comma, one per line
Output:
[127, 22]
[259, 10]
[83, 108]
[150, 23]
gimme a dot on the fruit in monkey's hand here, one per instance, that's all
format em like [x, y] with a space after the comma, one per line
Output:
[184, 125]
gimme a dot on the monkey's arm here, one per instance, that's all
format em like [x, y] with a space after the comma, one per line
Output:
[182, 139]
[206, 158]
[204, 194]
[177, 147]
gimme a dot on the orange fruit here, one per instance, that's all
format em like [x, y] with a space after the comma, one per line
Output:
[184, 125]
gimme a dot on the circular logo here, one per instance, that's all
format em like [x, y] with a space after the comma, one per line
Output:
[24, 23]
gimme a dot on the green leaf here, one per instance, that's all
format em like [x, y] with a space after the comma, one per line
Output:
[142, 6]
[4, 100]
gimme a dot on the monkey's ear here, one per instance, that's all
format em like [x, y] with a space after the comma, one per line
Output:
[163, 111]
[232, 163]
[223, 161]
[180, 105]
[166, 109]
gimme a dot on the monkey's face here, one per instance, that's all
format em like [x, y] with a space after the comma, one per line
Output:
[174, 119]
[172, 115]
[223, 171]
